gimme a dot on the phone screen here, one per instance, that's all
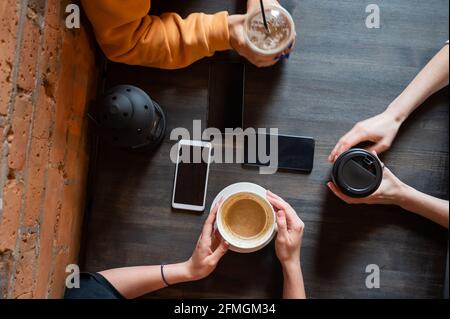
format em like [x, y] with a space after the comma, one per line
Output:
[294, 152]
[191, 176]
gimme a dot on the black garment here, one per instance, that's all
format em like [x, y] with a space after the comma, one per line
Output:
[93, 286]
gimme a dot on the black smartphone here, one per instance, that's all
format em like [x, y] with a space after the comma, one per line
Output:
[226, 95]
[294, 152]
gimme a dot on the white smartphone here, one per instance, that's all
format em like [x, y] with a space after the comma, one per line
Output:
[191, 175]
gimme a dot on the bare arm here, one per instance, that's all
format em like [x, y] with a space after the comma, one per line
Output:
[393, 191]
[287, 247]
[293, 286]
[133, 282]
[382, 129]
[433, 77]
[424, 205]
[127, 34]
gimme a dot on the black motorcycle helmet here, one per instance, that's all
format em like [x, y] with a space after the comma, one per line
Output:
[128, 118]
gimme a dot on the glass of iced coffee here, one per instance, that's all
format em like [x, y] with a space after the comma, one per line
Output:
[273, 40]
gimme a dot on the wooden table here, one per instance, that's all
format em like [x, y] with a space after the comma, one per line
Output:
[341, 73]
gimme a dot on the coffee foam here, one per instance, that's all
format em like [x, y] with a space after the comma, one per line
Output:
[246, 216]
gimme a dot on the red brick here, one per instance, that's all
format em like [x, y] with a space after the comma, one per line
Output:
[51, 213]
[35, 182]
[57, 284]
[53, 15]
[8, 26]
[38, 162]
[20, 130]
[25, 265]
[55, 177]
[64, 90]
[76, 156]
[43, 117]
[51, 48]
[29, 53]
[12, 201]
[73, 197]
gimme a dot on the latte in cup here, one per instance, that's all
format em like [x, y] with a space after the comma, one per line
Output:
[246, 219]
[280, 35]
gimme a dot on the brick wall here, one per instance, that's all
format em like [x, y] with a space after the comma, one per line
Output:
[47, 77]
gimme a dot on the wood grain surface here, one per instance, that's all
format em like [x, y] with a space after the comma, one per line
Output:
[340, 73]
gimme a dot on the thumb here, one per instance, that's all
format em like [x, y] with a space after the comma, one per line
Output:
[350, 139]
[220, 251]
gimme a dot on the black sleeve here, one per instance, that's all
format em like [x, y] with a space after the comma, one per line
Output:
[93, 286]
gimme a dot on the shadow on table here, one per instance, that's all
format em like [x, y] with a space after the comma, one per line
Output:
[116, 169]
[341, 228]
[260, 87]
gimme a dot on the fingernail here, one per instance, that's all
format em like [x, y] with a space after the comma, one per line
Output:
[290, 45]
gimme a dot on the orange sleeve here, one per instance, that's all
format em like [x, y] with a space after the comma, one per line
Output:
[127, 34]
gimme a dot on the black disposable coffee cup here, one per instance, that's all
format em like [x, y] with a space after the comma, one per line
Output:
[357, 173]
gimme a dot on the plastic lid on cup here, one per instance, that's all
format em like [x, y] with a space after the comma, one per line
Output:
[357, 173]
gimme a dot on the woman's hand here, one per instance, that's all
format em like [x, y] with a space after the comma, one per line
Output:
[381, 130]
[287, 247]
[237, 39]
[290, 231]
[390, 192]
[238, 43]
[209, 250]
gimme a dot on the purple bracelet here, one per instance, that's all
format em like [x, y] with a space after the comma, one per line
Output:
[163, 277]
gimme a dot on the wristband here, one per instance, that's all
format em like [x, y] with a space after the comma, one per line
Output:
[163, 277]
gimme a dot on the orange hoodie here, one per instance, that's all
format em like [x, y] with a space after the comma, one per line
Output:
[127, 34]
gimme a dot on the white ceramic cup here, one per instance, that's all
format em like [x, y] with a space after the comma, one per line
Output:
[246, 245]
